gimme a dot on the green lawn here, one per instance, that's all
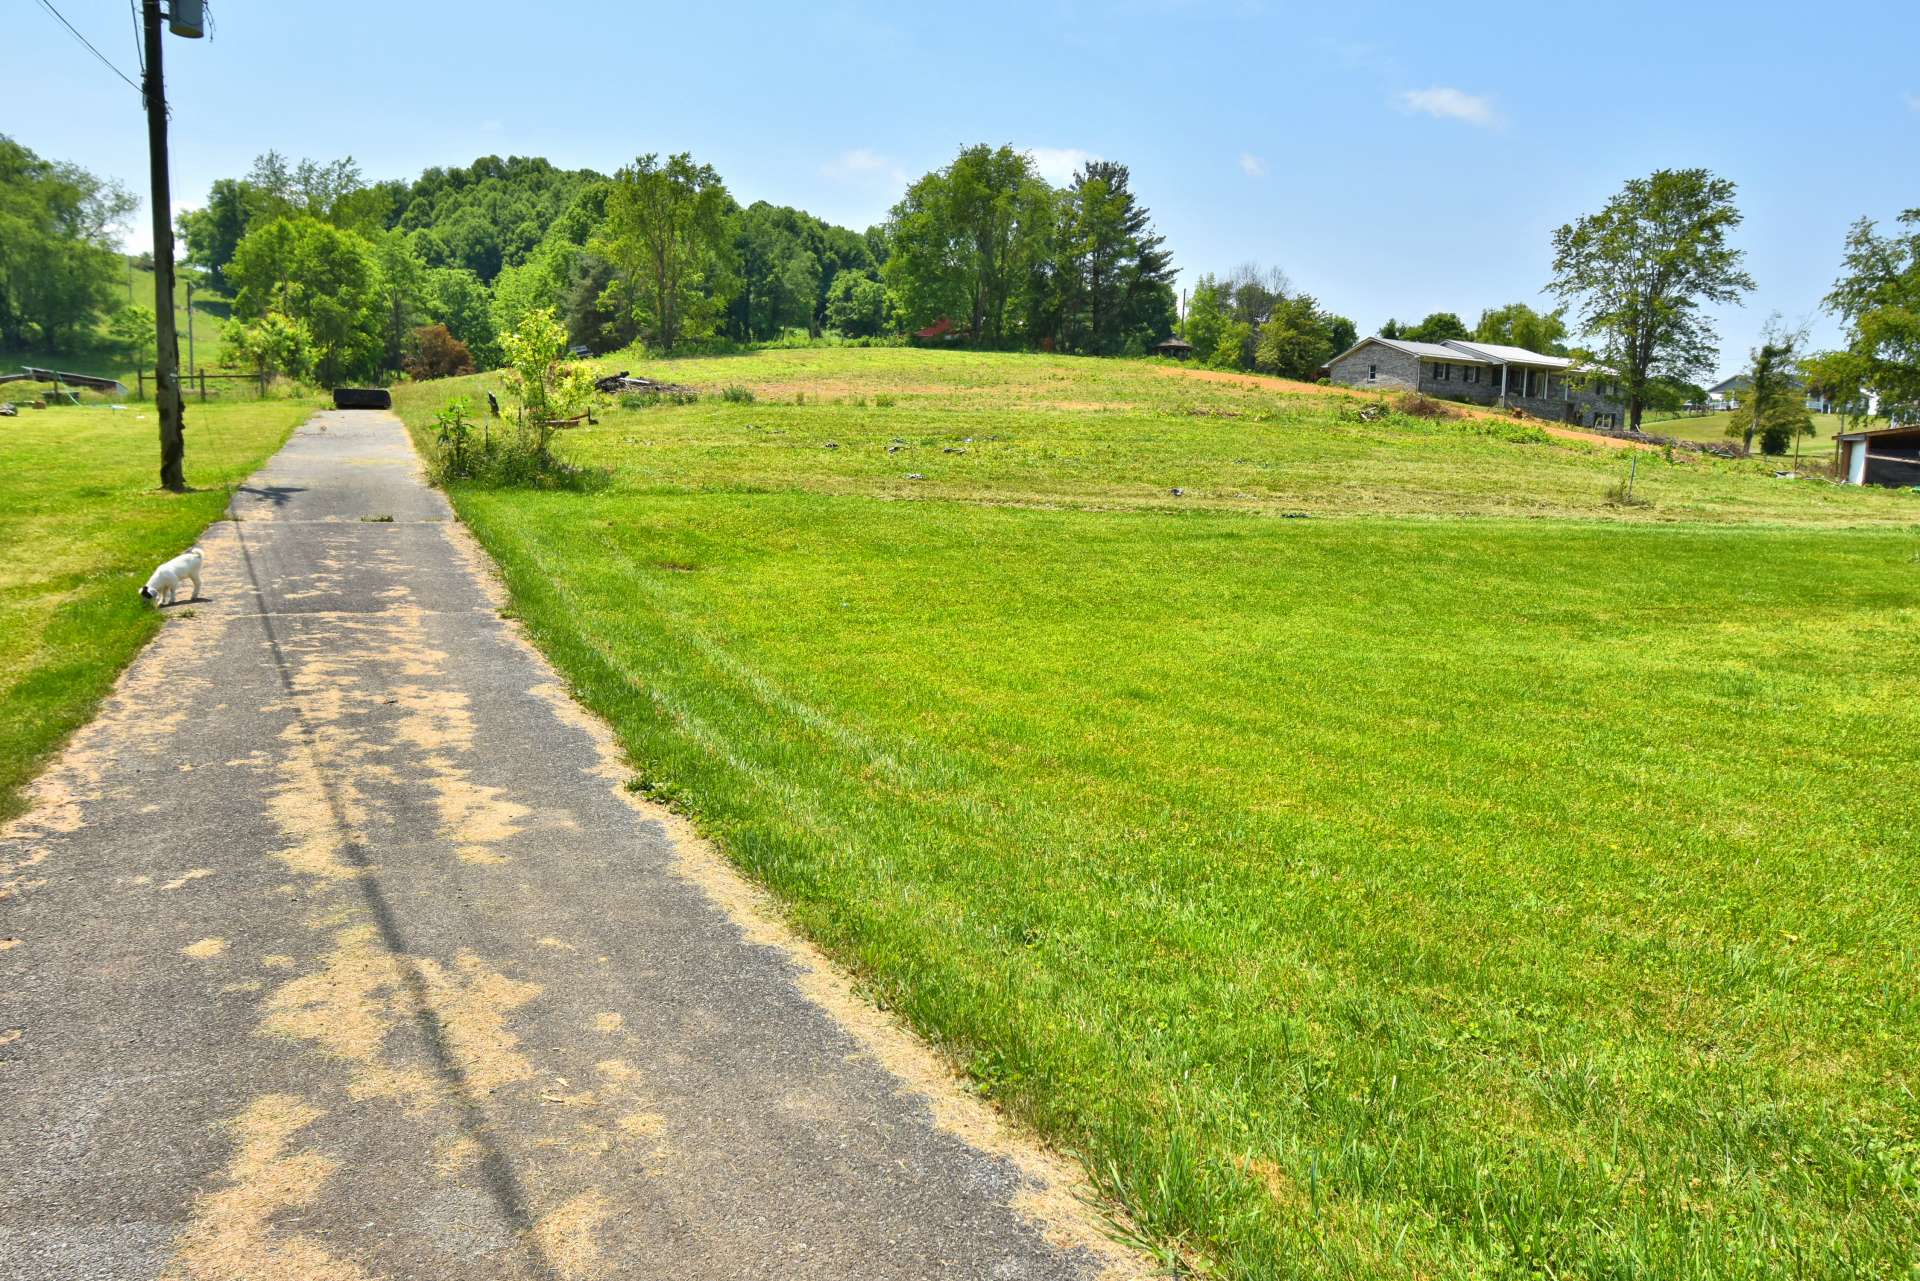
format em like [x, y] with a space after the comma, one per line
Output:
[1713, 428]
[84, 524]
[1473, 879]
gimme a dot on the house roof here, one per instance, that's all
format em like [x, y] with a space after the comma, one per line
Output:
[1744, 382]
[1500, 354]
[1459, 352]
[1424, 350]
[1173, 342]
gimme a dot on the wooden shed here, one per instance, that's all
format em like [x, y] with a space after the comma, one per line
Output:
[1890, 456]
[1177, 347]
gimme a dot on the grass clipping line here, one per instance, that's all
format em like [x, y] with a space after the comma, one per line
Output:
[1055, 1197]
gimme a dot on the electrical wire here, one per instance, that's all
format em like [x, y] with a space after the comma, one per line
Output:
[139, 42]
[48, 6]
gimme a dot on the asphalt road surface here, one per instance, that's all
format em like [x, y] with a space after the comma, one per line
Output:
[334, 950]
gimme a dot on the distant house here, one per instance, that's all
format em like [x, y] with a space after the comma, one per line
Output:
[1482, 373]
[1890, 456]
[941, 328]
[1177, 347]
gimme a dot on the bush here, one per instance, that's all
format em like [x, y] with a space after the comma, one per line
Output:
[436, 353]
[736, 395]
[545, 388]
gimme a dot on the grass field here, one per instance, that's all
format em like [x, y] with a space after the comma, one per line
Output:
[84, 524]
[101, 359]
[1473, 879]
[1713, 428]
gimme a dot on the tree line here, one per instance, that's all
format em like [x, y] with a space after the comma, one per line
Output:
[340, 278]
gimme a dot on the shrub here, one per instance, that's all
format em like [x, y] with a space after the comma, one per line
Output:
[884, 400]
[737, 395]
[436, 353]
[544, 387]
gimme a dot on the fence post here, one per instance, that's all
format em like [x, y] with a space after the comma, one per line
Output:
[140, 386]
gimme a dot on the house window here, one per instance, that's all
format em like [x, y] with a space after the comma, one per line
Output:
[1373, 372]
[1473, 373]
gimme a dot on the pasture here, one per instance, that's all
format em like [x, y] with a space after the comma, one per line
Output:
[1382, 857]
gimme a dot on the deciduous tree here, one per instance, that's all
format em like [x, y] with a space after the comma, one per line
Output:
[1638, 273]
[1878, 296]
[666, 230]
[1518, 325]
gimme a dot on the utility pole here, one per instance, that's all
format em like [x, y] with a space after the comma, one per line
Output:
[166, 370]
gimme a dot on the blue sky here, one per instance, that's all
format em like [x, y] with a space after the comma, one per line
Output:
[1394, 159]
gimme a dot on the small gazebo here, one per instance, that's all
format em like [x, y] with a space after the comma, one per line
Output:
[1177, 347]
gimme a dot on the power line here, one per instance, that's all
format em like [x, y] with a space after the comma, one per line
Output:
[47, 5]
[139, 50]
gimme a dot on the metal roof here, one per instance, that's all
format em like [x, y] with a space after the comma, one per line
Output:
[1424, 350]
[1500, 354]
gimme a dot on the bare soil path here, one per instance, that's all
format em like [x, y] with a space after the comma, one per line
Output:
[334, 950]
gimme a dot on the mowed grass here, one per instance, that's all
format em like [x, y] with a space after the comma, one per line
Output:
[1712, 428]
[1456, 883]
[84, 523]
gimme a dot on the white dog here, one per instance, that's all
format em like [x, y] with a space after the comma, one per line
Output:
[166, 580]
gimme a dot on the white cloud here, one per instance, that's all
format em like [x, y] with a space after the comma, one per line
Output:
[1444, 103]
[863, 164]
[1056, 164]
[1252, 165]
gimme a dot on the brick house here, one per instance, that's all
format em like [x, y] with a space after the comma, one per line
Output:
[1483, 374]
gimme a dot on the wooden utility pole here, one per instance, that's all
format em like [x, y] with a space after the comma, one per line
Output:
[166, 371]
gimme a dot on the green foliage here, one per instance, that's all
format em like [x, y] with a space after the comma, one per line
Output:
[275, 345]
[857, 304]
[734, 394]
[1878, 296]
[327, 279]
[453, 439]
[1207, 318]
[967, 242]
[1114, 282]
[1440, 326]
[132, 329]
[788, 262]
[1297, 339]
[544, 385]
[1773, 406]
[1518, 325]
[1639, 271]
[666, 231]
[58, 265]
[1235, 347]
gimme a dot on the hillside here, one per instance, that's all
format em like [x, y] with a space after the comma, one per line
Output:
[1474, 879]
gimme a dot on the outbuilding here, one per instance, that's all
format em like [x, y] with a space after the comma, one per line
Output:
[1890, 456]
[1178, 348]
